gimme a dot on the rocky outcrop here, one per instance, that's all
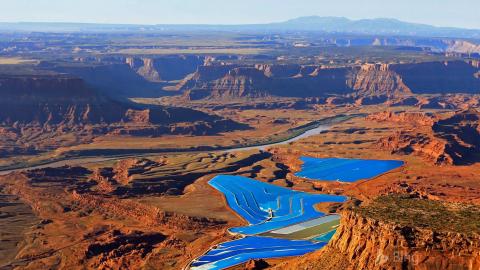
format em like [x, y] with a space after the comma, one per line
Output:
[52, 100]
[282, 71]
[450, 141]
[114, 79]
[56, 100]
[378, 80]
[148, 215]
[124, 169]
[418, 118]
[120, 77]
[241, 82]
[118, 233]
[256, 265]
[339, 100]
[462, 46]
[55, 105]
[366, 243]
[109, 178]
[462, 128]
[67, 184]
[165, 68]
[118, 249]
[439, 77]
[432, 149]
[363, 81]
[229, 81]
[148, 71]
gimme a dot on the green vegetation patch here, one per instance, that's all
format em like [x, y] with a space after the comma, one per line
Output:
[406, 210]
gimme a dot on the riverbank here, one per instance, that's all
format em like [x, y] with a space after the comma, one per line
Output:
[79, 157]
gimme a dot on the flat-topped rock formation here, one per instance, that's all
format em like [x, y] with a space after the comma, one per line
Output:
[294, 80]
[370, 238]
[61, 104]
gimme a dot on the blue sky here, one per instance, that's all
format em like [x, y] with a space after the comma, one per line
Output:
[460, 13]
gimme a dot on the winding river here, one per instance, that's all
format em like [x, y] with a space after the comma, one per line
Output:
[77, 161]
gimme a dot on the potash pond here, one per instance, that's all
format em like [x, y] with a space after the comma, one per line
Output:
[345, 170]
[282, 222]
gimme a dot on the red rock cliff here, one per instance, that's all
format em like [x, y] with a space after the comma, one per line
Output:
[365, 243]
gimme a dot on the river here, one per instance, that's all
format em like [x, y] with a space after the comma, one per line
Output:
[77, 161]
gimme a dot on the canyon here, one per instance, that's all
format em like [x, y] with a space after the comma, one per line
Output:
[36, 111]
[108, 141]
[368, 80]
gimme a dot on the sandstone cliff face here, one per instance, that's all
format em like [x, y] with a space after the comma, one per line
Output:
[120, 77]
[462, 46]
[165, 68]
[203, 76]
[52, 100]
[417, 78]
[378, 80]
[240, 82]
[36, 111]
[148, 71]
[370, 244]
[432, 149]
[230, 81]
[280, 71]
[365, 243]
[364, 81]
[61, 100]
[114, 79]
[439, 77]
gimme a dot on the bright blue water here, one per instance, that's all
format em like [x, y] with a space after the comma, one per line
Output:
[252, 200]
[302, 210]
[344, 170]
[325, 237]
[253, 247]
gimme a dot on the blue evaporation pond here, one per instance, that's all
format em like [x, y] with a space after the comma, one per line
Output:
[344, 170]
[253, 247]
[268, 207]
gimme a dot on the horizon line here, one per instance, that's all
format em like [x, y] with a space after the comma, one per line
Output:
[228, 24]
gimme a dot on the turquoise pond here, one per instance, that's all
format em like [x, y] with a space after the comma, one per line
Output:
[345, 170]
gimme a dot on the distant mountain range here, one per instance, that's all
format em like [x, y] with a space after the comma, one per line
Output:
[381, 26]
[331, 25]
